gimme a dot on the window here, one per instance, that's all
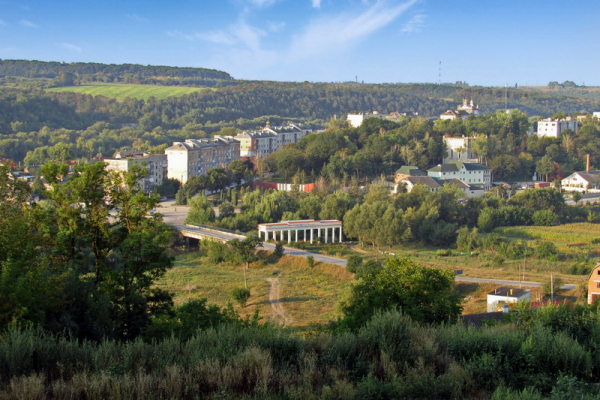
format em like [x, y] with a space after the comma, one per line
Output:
[597, 285]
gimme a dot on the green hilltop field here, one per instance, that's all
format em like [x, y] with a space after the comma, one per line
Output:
[122, 91]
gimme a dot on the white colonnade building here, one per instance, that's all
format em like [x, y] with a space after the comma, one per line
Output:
[304, 229]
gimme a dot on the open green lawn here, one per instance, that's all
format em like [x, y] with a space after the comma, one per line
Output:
[122, 91]
[308, 295]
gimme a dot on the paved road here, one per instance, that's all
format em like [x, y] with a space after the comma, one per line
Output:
[175, 215]
[508, 283]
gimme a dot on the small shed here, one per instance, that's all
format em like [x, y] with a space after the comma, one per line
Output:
[506, 295]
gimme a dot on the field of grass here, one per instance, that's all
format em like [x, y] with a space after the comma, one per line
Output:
[122, 91]
[308, 295]
[568, 238]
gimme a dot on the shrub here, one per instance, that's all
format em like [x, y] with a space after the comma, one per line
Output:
[547, 251]
[443, 252]
[466, 240]
[278, 252]
[240, 295]
[545, 218]
[354, 263]
[310, 260]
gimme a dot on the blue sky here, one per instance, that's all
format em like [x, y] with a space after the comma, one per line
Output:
[482, 42]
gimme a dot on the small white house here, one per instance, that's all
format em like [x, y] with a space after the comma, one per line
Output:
[582, 180]
[504, 295]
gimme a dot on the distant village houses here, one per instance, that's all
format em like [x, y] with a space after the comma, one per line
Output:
[463, 111]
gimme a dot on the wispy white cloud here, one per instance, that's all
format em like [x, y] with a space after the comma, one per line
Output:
[69, 46]
[276, 26]
[27, 23]
[337, 33]
[415, 24]
[137, 18]
[2, 22]
[217, 37]
[316, 3]
[262, 3]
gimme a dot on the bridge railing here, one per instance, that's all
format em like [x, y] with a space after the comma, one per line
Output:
[216, 229]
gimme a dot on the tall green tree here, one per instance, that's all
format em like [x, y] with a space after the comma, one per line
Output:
[425, 294]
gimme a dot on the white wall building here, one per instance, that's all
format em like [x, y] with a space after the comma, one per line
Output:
[459, 149]
[270, 139]
[473, 174]
[308, 230]
[582, 180]
[155, 164]
[553, 127]
[196, 156]
[506, 295]
[356, 120]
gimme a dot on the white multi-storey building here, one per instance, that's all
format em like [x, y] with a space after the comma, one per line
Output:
[155, 164]
[196, 156]
[553, 127]
[269, 140]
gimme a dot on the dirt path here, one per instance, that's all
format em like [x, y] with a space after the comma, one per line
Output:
[279, 314]
[356, 249]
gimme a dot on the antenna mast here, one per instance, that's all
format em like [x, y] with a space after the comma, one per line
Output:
[440, 74]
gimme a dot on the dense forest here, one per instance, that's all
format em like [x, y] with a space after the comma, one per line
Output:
[70, 73]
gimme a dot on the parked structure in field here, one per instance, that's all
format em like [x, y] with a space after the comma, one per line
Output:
[473, 174]
[196, 156]
[554, 127]
[506, 295]
[302, 230]
[155, 164]
[594, 285]
[270, 139]
[463, 111]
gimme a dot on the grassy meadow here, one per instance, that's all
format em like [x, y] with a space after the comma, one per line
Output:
[311, 295]
[307, 295]
[123, 91]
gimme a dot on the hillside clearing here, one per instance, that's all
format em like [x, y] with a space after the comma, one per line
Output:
[123, 91]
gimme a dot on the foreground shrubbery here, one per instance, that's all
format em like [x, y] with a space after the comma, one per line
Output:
[541, 354]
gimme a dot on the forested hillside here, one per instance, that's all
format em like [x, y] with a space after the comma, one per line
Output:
[65, 73]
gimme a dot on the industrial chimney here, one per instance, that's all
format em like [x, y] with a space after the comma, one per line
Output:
[587, 164]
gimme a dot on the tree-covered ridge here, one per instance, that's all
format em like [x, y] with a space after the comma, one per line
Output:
[52, 69]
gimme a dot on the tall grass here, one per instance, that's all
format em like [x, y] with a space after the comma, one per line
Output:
[391, 357]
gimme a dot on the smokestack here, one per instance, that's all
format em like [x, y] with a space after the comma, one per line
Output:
[587, 164]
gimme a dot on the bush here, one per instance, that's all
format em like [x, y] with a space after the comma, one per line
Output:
[354, 263]
[466, 240]
[443, 252]
[545, 218]
[240, 295]
[552, 285]
[310, 260]
[546, 251]
[278, 252]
